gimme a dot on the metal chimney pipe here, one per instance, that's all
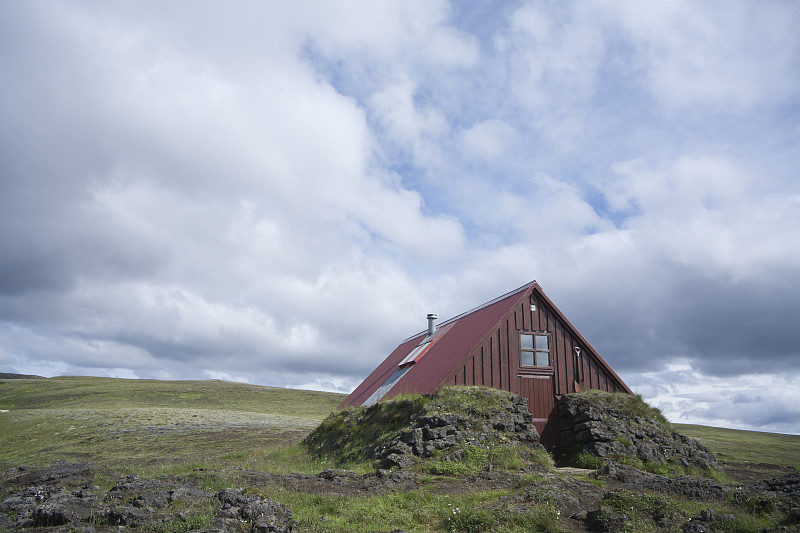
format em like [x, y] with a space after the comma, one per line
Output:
[431, 324]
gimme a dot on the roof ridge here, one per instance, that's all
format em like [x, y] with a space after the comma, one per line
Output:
[478, 308]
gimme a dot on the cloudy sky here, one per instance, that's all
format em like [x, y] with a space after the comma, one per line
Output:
[278, 193]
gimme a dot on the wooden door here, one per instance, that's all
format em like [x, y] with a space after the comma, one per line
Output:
[538, 389]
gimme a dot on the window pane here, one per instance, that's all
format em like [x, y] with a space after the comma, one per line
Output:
[526, 342]
[541, 342]
[416, 354]
[526, 358]
[542, 358]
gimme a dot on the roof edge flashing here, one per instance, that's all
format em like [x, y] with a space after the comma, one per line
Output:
[474, 309]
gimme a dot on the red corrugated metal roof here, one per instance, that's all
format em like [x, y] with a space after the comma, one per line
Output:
[380, 374]
[455, 338]
[465, 332]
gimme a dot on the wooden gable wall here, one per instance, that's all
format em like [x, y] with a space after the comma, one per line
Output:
[495, 361]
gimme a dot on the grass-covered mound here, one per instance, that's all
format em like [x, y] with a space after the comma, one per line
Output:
[596, 427]
[455, 430]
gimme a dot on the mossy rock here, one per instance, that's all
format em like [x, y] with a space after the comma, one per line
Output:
[452, 425]
[623, 428]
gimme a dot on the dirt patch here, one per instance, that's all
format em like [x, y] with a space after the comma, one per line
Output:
[351, 484]
[573, 471]
[747, 473]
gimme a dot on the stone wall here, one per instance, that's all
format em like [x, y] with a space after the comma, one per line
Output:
[402, 432]
[449, 433]
[619, 426]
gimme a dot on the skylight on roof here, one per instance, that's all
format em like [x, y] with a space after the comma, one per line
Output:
[381, 391]
[416, 353]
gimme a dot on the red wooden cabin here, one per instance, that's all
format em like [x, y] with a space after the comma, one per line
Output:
[519, 342]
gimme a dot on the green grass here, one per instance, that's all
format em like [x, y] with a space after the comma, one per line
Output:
[739, 446]
[468, 401]
[37, 438]
[412, 511]
[150, 427]
[75, 392]
[207, 432]
[630, 512]
[352, 435]
[626, 404]
[191, 523]
[349, 435]
[579, 457]
[419, 510]
[626, 511]
[473, 459]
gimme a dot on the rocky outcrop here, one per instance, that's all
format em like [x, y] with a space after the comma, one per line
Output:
[619, 427]
[642, 497]
[685, 486]
[787, 486]
[447, 433]
[400, 433]
[63, 497]
[264, 515]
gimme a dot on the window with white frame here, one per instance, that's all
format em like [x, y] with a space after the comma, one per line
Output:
[534, 349]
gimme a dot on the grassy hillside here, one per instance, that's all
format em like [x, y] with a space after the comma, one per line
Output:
[108, 393]
[105, 419]
[149, 426]
[737, 446]
[7, 375]
[219, 434]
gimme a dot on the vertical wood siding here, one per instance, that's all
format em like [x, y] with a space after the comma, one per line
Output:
[541, 402]
[495, 362]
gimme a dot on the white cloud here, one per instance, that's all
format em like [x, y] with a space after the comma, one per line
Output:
[282, 194]
[416, 128]
[685, 185]
[561, 49]
[766, 402]
[226, 376]
[328, 384]
[709, 213]
[728, 56]
[488, 139]
[392, 31]
[554, 57]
